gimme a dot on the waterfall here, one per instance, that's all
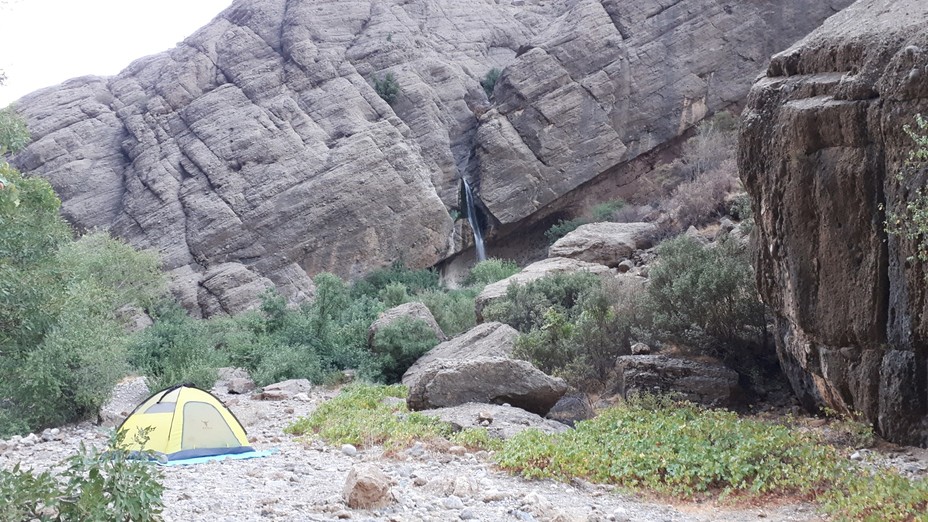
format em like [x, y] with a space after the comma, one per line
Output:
[472, 219]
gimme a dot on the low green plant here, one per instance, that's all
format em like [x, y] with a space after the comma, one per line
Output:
[476, 439]
[95, 485]
[415, 280]
[453, 310]
[601, 212]
[387, 87]
[910, 222]
[365, 415]
[489, 81]
[881, 495]
[525, 306]
[562, 228]
[490, 271]
[397, 346]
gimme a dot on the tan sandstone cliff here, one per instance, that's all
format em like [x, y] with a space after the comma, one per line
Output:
[821, 144]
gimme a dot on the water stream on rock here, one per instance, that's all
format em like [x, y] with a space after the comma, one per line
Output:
[474, 224]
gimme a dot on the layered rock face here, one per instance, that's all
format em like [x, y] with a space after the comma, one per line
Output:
[822, 143]
[257, 152]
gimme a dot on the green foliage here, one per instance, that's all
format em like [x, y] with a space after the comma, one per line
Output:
[365, 415]
[606, 211]
[583, 350]
[453, 310]
[397, 346]
[415, 280]
[911, 221]
[476, 439]
[387, 87]
[394, 294]
[884, 495]
[525, 306]
[489, 81]
[14, 135]
[704, 297]
[490, 271]
[176, 349]
[95, 485]
[564, 227]
[681, 450]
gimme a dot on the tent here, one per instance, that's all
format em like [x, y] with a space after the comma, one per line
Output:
[185, 423]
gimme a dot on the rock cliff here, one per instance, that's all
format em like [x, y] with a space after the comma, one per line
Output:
[257, 152]
[821, 143]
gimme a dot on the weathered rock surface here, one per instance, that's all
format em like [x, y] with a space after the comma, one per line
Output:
[491, 380]
[126, 395]
[284, 390]
[700, 381]
[500, 421]
[603, 243]
[367, 488]
[534, 271]
[257, 152]
[571, 409]
[821, 144]
[415, 311]
[485, 340]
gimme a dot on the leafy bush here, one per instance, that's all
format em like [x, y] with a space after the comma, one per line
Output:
[95, 485]
[14, 135]
[606, 211]
[490, 271]
[394, 294]
[704, 297]
[387, 87]
[397, 346]
[525, 306]
[415, 280]
[453, 310]
[489, 81]
[562, 228]
[583, 351]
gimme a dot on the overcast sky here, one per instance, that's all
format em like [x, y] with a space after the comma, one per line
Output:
[44, 42]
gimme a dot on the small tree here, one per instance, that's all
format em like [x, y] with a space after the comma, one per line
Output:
[387, 87]
[489, 81]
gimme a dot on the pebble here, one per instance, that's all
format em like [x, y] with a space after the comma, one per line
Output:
[856, 456]
[457, 450]
[467, 514]
[453, 502]
[349, 449]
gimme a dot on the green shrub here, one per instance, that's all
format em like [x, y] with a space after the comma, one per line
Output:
[489, 81]
[453, 310]
[525, 306]
[95, 485]
[681, 450]
[397, 346]
[583, 351]
[704, 297]
[490, 271]
[606, 211]
[415, 280]
[176, 349]
[394, 294]
[14, 135]
[562, 228]
[387, 87]
[282, 362]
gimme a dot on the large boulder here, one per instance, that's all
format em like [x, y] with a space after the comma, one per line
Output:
[500, 421]
[492, 380]
[604, 243]
[258, 150]
[822, 142]
[485, 340]
[535, 271]
[701, 381]
[415, 311]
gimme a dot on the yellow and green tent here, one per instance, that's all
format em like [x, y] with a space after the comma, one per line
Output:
[184, 422]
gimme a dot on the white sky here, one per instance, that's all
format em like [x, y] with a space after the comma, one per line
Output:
[45, 42]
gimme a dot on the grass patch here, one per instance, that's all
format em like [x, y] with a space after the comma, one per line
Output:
[367, 415]
[675, 449]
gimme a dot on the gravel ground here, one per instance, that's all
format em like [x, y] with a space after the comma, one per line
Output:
[304, 481]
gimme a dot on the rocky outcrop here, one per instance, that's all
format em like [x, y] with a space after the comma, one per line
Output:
[491, 380]
[412, 311]
[485, 340]
[257, 151]
[701, 381]
[822, 143]
[604, 243]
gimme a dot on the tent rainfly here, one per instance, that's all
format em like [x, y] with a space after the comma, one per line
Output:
[185, 422]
